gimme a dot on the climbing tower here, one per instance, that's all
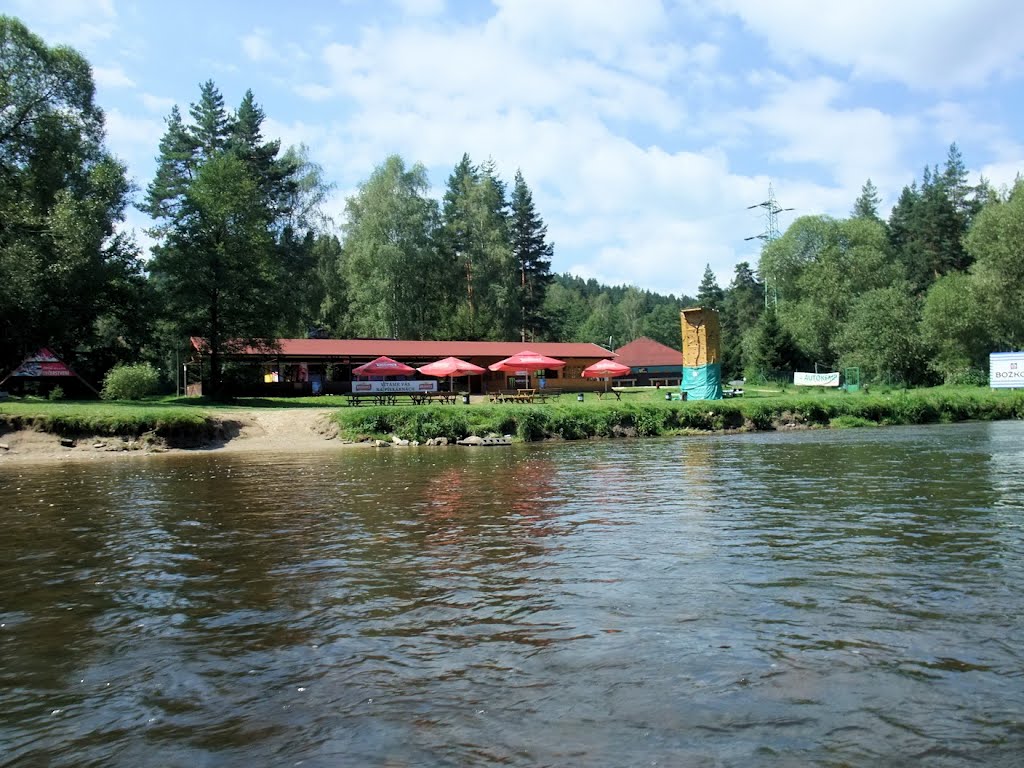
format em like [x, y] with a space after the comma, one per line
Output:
[702, 354]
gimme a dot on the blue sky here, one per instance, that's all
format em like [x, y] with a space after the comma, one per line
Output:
[644, 127]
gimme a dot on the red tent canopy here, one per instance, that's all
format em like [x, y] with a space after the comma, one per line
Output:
[450, 366]
[383, 366]
[526, 361]
[603, 368]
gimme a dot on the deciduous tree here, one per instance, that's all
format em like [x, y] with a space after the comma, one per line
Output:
[390, 256]
[69, 278]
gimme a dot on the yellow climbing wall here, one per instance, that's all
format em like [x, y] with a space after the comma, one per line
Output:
[702, 337]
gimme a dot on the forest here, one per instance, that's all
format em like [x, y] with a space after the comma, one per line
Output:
[244, 253]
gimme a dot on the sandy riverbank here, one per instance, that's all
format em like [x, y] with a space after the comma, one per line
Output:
[285, 430]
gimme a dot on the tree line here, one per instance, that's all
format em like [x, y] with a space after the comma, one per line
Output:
[920, 298]
[244, 253]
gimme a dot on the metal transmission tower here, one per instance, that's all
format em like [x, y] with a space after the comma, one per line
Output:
[771, 232]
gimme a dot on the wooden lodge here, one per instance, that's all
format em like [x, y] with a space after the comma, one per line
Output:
[651, 363]
[297, 367]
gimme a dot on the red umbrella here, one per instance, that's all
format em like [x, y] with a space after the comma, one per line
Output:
[526, 361]
[450, 367]
[604, 369]
[383, 366]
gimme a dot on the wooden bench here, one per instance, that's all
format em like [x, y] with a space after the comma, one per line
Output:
[518, 396]
[424, 398]
[376, 398]
[399, 398]
[618, 393]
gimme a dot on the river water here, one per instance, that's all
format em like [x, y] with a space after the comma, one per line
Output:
[844, 598]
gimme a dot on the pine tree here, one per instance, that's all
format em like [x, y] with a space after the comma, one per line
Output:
[225, 256]
[456, 237]
[770, 349]
[245, 138]
[212, 126]
[709, 294]
[954, 180]
[741, 309]
[867, 204]
[532, 254]
[474, 241]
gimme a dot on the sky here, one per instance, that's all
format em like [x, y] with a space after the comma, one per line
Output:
[645, 128]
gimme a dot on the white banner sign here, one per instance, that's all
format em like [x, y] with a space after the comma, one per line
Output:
[413, 385]
[1006, 370]
[816, 379]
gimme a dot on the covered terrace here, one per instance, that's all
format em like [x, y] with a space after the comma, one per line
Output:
[298, 367]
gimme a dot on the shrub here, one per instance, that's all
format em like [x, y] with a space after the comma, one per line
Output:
[57, 393]
[851, 422]
[130, 382]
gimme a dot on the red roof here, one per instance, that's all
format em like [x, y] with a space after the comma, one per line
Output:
[419, 350]
[644, 352]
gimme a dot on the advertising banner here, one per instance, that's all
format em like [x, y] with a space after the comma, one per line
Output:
[1006, 370]
[42, 364]
[394, 386]
[801, 379]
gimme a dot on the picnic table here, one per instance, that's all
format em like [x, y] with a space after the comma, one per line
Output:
[395, 398]
[518, 396]
[617, 393]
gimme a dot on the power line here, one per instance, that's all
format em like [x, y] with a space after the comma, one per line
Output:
[771, 232]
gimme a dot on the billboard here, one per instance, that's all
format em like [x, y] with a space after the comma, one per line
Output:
[413, 385]
[42, 364]
[816, 379]
[1006, 370]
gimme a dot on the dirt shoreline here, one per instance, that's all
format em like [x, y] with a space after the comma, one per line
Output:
[288, 430]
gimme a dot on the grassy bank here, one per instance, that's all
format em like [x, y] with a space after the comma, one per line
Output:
[184, 421]
[650, 417]
[177, 425]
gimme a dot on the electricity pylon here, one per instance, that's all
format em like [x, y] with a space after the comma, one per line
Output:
[771, 232]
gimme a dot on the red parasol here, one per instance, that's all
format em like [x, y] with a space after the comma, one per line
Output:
[526, 361]
[450, 367]
[383, 366]
[605, 368]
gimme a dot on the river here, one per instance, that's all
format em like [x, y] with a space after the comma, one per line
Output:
[841, 598]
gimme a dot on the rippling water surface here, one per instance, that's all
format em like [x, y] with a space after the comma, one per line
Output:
[831, 598]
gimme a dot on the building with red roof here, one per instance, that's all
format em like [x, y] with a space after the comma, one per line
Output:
[311, 366]
[651, 363]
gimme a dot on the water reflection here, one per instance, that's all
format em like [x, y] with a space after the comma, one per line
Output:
[833, 598]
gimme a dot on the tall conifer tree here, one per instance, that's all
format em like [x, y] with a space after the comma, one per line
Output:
[532, 253]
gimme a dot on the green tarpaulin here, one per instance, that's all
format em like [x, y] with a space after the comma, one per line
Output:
[702, 382]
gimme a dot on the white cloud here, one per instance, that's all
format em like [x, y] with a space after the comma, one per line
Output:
[611, 30]
[112, 77]
[127, 133]
[257, 46]
[460, 73]
[551, 89]
[314, 91]
[799, 122]
[421, 8]
[160, 104]
[933, 44]
[82, 23]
